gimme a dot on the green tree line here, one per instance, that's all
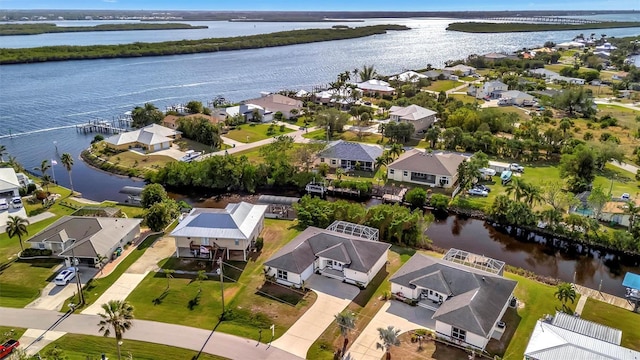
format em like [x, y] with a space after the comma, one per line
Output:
[486, 27]
[45, 28]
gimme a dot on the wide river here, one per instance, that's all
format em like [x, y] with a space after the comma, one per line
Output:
[41, 103]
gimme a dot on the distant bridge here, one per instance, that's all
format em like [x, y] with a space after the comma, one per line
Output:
[546, 20]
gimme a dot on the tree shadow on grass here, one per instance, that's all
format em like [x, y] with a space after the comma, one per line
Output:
[159, 299]
[194, 302]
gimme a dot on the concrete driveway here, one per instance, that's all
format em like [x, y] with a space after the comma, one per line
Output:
[395, 313]
[53, 296]
[4, 215]
[333, 297]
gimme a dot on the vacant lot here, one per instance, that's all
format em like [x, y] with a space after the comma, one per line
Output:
[443, 85]
[248, 133]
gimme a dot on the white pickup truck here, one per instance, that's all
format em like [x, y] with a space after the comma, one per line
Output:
[516, 167]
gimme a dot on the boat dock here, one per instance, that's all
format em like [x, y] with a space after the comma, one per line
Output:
[394, 198]
[343, 191]
[103, 126]
[316, 189]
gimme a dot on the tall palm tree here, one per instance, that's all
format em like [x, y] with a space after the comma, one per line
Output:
[67, 161]
[101, 261]
[396, 149]
[13, 162]
[44, 166]
[168, 273]
[346, 321]
[117, 316]
[3, 151]
[17, 226]
[46, 180]
[515, 187]
[531, 193]
[565, 292]
[388, 338]
[633, 211]
[367, 73]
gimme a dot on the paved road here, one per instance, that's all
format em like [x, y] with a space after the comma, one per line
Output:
[333, 297]
[615, 103]
[229, 346]
[624, 166]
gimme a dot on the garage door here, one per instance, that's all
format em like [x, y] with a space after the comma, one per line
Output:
[6, 194]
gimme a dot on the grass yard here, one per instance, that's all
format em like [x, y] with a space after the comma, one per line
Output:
[443, 85]
[8, 332]
[464, 98]
[515, 110]
[187, 144]
[9, 248]
[430, 350]
[21, 281]
[248, 133]
[82, 347]
[134, 160]
[248, 310]
[625, 116]
[615, 317]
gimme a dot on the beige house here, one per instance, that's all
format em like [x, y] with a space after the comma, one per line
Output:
[463, 70]
[420, 117]
[150, 138]
[273, 103]
[214, 233]
[86, 237]
[431, 169]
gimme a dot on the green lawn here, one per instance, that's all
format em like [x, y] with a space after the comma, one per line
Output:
[625, 116]
[443, 85]
[615, 317]
[21, 281]
[8, 332]
[250, 311]
[82, 347]
[248, 133]
[188, 144]
[9, 248]
[464, 98]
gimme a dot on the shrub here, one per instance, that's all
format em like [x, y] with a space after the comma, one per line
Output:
[40, 194]
[259, 244]
[29, 252]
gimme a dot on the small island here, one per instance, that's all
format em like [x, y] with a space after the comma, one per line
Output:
[36, 29]
[491, 27]
[283, 38]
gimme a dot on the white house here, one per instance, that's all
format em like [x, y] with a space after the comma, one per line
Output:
[431, 169]
[247, 111]
[606, 47]
[568, 80]
[349, 258]
[570, 337]
[409, 76]
[9, 183]
[210, 233]
[544, 73]
[490, 89]
[463, 70]
[466, 294]
[570, 45]
[343, 97]
[515, 97]
[350, 155]
[617, 212]
[86, 237]
[375, 87]
[420, 117]
[150, 138]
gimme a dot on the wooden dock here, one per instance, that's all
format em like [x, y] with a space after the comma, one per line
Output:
[317, 189]
[394, 198]
[342, 191]
[608, 298]
[100, 126]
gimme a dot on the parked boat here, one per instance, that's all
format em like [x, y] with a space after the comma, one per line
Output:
[505, 177]
[190, 155]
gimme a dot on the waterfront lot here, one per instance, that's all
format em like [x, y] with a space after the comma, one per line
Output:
[248, 133]
[615, 317]
[443, 85]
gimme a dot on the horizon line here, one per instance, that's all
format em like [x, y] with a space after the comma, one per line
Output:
[340, 11]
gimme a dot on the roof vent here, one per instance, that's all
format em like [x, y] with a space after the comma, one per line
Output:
[483, 279]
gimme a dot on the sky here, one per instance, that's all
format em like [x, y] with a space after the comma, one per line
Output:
[324, 5]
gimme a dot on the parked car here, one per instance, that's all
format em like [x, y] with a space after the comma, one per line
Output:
[8, 347]
[516, 167]
[487, 172]
[16, 202]
[625, 196]
[482, 187]
[478, 192]
[65, 276]
[3, 204]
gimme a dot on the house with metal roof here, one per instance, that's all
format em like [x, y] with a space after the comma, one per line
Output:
[421, 118]
[409, 76]
[426, 168]
[86, 237]
[213, 233]
[339, 255]
[150, 138]
[350, 155]
[9, 183]
[374, 86]
[464, 293]
[569, 337]
[516, 97]
[273, 103]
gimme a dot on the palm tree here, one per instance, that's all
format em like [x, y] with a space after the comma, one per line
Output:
[564, 292]
[67, 161]
[389, 338]
[101, 261]
[44, 166]
[13, 162]
[17, 226]
[515, 187]
[396, 150]
[347, 322]
[531, 193]
[3, 151]
[168, 273]
[367, 73]
[117, 316]
[633, 211]
[46, 180]
[201, 276]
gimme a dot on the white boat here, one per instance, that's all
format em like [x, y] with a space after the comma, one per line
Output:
[190, 155]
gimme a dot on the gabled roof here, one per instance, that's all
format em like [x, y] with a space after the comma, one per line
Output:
[236, 221]
[409, 76]
[495, 83]
[375, 85]
[341, 149]
[411, 112]
[90, 235]
[148, 135]
[588, 328]
[433, 163]
[516, 94]
[358, 254]
[476, 297]
[8, 179]
[494, 56]
[460, 67]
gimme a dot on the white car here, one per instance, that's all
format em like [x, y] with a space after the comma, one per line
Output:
[625, 196]
[16, 202]
[516, 167]
[65, 276]
[478, 192]
[3, 204]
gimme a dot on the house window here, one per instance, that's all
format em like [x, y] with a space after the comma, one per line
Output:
[237, 242]
[283, 275]
[205, 241]
[321, 159]
[444, 181]
[41, 246]
[333, 161]
[405, 173]
[391, 171]
[458, 334]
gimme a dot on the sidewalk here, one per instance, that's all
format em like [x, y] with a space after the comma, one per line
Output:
[229, 346]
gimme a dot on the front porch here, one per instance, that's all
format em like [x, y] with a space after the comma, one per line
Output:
[332, 273]
[204, 252]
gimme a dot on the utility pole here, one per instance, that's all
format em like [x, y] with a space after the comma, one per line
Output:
[76, 269]
[221, 284]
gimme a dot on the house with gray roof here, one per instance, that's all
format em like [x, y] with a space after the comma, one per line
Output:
[86, 237]
[273, 103]
[346, 257]
[426, 168]
[419, 117]
[350, 155]
[467, 302]
[463, 70]
[212, 233]
[516, 97]
[569, 337]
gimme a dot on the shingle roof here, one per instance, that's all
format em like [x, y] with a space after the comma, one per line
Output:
[411, 112]
[434, 163]
[409, 76]
[236, 221]
[516, 95]
[341, 149]
[476, 297]
[359, 254]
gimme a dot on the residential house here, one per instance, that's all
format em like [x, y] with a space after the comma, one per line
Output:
[570, 337]
[464, 293]
[617, 211]
[544, 73]
[620, 75]
[420, 117]
[462, 70]
[373, 86]
[248, 111]
[346, 257]
[350, 155]
[173, 121]
[494, 56]
[274, 103]
[490, 89]
[150, 138]
[606, 47]
[433, 74]
[9, 183]
[211, 233]
[569, 80]
[570, 45]
[409, 76]
[431, 169]
[515, 97]
[344, 97]
[85, 238]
